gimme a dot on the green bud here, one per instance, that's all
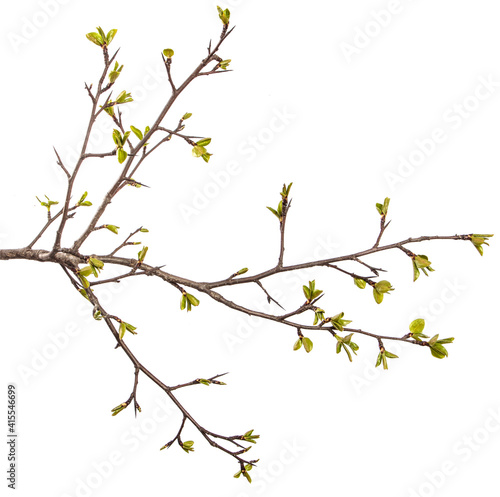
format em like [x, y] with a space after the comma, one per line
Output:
[168, 52]
[123, 98]
[383, 208]
[142, 254]
[187, 115]
[360, 283]
[224, 15]
[111, 227]
[297, 344]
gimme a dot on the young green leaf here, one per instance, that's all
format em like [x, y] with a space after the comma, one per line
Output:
[198, 151]
[192, 299]
[95, 38]
[122, 330]
[204, 142]
[111, 34]
[308, 345]
[417, 326]
[297, 344]
[137, 132]
[379, 297]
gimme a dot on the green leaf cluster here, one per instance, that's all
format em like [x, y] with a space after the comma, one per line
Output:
[437, 346]
[113, 75]
[382, 358]
[337, 322]
[380, 288]
[95, 266]
[319, 316]
[100, 38]
[120, 142]
[47, 204]
[346, 343]
[383, 208]
[284, 198]
[310, 291]
[479, 240]
[199, 149]
[188, 300]
[224, 15]
[249, 437]
[307, 342]
[285, 192]
[124, 97]
[188, 446]
[82, 202]
[421, 262]
[126, 327]
[244, 472]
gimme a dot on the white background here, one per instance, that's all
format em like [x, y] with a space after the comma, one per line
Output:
[327, 426]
